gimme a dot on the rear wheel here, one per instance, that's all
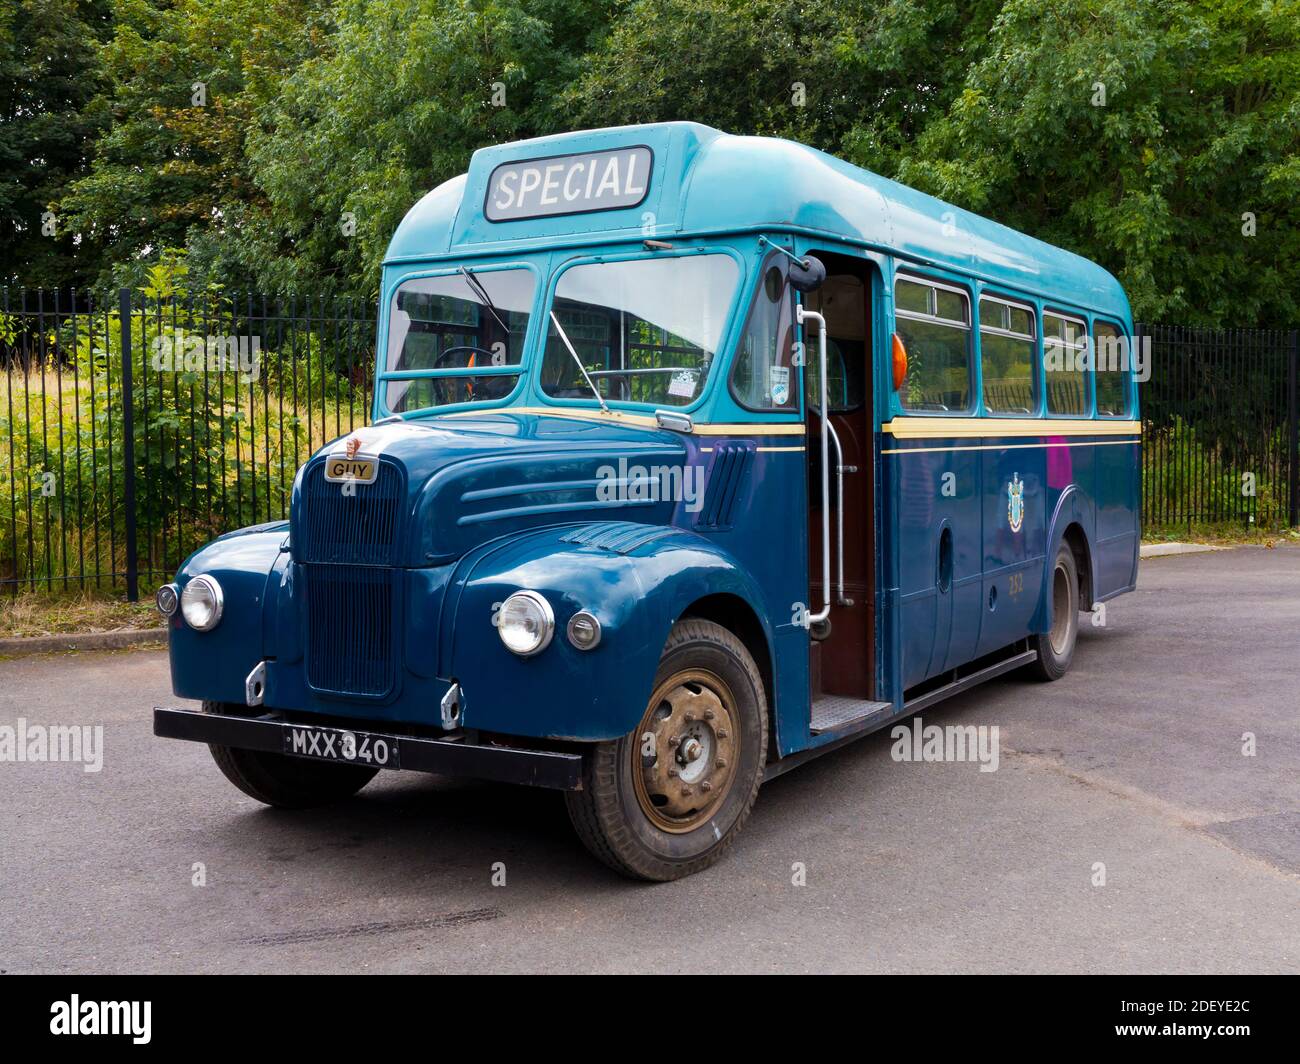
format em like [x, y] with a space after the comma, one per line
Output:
[282, 781]
[668, 799]
[1056, 646]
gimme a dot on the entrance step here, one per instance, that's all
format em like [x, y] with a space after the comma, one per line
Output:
[832, 713]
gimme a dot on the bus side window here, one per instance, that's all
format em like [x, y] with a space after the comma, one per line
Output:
[1111, 371]
[763, 376]
[933, 321]
[1007, 357]
[1065, 342]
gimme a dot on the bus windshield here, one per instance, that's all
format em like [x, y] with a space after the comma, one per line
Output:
[474, 321]
[645, 330]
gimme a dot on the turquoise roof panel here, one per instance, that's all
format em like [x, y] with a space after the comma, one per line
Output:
[705, 182]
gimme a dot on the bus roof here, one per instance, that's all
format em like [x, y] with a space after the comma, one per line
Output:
[706, 182]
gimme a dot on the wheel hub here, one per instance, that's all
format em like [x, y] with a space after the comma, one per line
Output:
[686, 751]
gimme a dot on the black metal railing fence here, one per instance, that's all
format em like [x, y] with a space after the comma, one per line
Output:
[1219, 418]
[134, 428]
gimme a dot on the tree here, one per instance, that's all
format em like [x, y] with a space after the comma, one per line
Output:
[281, 142]
[184, 82]
[48, 78]
[859, 77]
[1161, 139]
[405, 94]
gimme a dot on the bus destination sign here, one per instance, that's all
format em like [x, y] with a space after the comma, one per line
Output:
[569, 184]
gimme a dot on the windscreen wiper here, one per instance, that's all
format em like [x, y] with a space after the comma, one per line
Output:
[481, 292]
[585, 375]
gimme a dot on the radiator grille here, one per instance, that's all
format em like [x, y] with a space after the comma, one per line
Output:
[350, 630]
[350, 529]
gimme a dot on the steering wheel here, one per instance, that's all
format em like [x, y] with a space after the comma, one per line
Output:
[437, 362]
[445, 388]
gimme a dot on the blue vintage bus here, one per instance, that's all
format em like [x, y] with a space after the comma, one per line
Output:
[693, 456]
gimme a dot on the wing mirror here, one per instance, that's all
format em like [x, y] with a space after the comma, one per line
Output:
[807, 274]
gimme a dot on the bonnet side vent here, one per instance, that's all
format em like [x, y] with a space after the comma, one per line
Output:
[727, 479]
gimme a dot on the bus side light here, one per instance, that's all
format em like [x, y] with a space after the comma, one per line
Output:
[899, 361]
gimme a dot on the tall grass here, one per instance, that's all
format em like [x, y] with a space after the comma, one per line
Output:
[228, 463]
[1190, 480]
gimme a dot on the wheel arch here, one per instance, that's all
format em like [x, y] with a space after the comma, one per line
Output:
[1077, 540]
[1071, 520]
[638, 579]
[739, 617]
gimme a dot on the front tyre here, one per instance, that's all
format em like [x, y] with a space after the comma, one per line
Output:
[1056, 646]
[282, 781]
[668, 799]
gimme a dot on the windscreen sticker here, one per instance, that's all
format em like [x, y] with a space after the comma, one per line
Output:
[682, 385]
[778, 384]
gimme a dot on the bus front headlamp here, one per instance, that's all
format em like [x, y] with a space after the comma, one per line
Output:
[201, 603]
[526, 623]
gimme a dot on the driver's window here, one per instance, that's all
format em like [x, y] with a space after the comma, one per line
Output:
[763, 376]
[476, 318]
[643, 330]
[473, 319]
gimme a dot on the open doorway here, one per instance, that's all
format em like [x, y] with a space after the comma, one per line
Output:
[842, 665]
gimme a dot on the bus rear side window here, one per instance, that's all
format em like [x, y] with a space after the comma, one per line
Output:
[937, 339]
[1007, 357]
[1110, 359]
[1065, 342]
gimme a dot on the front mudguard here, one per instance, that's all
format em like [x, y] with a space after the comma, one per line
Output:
[637, 595]
[213, 665]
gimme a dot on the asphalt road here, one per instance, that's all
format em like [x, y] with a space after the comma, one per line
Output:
[1134, 760]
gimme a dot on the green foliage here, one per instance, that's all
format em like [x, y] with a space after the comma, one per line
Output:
[323, 121]
[397, 105]
[1188, 474]
[186, 80]
[1140, 134]
[48, 79]
[857, 77]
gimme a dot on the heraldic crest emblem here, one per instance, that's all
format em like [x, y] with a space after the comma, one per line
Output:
[1015, 502]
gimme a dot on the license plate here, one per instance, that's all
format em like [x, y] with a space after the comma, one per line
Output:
[357, 470]
[340, 744]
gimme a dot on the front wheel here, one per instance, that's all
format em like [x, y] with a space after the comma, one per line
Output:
[286, 782]
[1056, 646]
[668, 799]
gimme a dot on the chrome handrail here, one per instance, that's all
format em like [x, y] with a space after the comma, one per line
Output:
[801, 315]
[840, 599]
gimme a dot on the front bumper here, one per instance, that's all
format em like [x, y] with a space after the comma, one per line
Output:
[457, 756]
